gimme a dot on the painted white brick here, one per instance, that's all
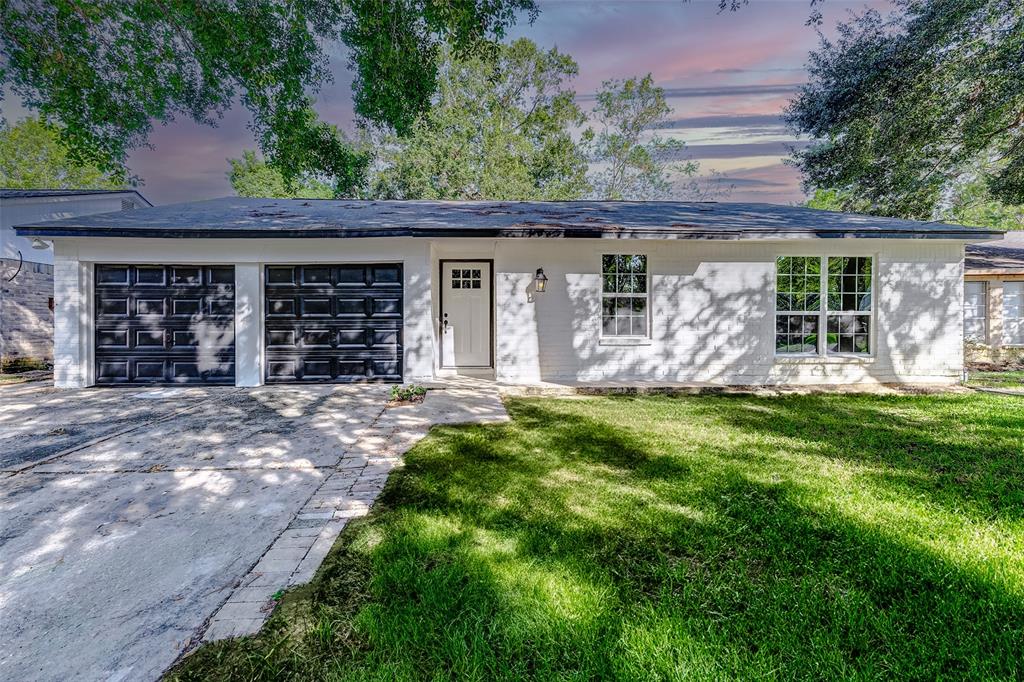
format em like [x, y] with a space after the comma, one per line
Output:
[713, 313]
[712, 305]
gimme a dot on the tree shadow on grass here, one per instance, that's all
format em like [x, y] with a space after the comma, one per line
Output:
[968, 458]
[558, 547]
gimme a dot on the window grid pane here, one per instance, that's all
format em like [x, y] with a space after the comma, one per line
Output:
[796, 333]
[975, 311]
[798, 284]
[797, 302]
[624, 295]
[849, 284]
[1013, 313]
[848, 304]
[849, 333]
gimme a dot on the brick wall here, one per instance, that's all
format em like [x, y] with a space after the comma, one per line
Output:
[26, 321]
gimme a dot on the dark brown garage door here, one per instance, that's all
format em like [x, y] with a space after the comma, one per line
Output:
[337, 323]
[165, 323]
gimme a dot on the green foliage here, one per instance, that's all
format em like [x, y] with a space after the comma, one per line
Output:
[106, 69]
[970, 204]
[837, 200]
[633, 162]
[32, 156]
[901, 106]
[395, 47]
[410, 393]
[252, 177]
[800, 537]
[973, 205]
[498, 129]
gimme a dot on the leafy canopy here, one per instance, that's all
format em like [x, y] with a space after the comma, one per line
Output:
[32, 156]
[498, 129]
[631, 161]
[106, 69]
[902, 106]
[250, 176]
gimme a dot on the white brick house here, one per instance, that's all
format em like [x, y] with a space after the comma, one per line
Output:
[252, 291]
[26, 273]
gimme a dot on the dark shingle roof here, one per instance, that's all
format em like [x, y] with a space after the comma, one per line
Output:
[32, 193]
[246, 217]
[993, 258]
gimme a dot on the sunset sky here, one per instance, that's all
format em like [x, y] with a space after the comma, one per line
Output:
[728, 76]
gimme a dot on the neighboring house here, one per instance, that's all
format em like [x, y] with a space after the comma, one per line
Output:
[253, 291]
[994, 298]
[26, 270]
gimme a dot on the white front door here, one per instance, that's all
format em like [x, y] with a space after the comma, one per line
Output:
[466, 314]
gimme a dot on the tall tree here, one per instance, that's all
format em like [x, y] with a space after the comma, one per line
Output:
[106, 69]
[499, 128]
[902, 106]
[972, 204]
[250, 176]
[631, 160]
[32, 156]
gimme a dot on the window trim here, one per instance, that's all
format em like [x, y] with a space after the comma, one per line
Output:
[1008, 342]
[984, 339]
[823, 311]
[624, 339]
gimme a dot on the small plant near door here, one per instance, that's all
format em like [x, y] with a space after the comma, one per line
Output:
[406, 395]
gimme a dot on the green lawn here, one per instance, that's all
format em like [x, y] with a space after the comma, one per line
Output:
[709, 537]
[1007, 379]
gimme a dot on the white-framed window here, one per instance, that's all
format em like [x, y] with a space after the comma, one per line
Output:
[849, 305]
[797, 304]
[808, 323]
[976, 311]
[624, 309]
[1013, 313]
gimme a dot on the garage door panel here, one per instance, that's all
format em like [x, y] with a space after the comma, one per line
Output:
[336, 323]
[164, 323]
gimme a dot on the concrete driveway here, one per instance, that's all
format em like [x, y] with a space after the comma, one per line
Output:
[128, 516]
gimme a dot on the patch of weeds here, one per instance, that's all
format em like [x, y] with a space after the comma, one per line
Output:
[413, 393]
[17, 365]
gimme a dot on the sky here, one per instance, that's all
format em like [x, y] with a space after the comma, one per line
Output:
[727, 76]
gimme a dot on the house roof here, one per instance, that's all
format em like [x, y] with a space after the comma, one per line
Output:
[6, 193]
[996, 258]
[235, 217]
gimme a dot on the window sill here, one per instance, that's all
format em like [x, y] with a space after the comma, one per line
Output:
[623, 341]
[833, 359]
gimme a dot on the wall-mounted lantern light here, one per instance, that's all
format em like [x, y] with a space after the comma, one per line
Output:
[540, 281]
[39, 244]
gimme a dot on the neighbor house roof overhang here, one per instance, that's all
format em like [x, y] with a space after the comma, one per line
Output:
[235, 217]
[994, 259]
[8, 194]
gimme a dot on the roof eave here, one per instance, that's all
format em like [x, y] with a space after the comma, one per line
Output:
[531, 232]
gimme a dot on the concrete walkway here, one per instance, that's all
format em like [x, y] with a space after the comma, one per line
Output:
[129, 517]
